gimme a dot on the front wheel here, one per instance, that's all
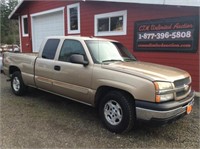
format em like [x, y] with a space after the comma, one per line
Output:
[117, 111]
[17, 84]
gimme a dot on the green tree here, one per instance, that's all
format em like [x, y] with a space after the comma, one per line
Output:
[9, 28]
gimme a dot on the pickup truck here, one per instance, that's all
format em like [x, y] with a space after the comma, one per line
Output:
[102, 73]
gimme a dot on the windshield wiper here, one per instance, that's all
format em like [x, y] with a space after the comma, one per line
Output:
[130, 60]
[112, 60]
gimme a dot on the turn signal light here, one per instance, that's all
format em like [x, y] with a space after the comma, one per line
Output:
[156, 86]
[189, 109]
[157, 98]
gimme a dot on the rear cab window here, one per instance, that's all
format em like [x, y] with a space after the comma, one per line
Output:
[50, 48]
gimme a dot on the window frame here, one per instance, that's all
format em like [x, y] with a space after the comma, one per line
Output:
[68, 18]
[62, 48]
[110, 15]
[23, 28]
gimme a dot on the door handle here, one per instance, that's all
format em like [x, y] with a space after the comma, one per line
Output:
[57, 68]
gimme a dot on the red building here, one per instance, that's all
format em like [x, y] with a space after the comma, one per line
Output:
[166, 34]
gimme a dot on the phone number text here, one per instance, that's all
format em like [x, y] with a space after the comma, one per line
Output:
[165, 35]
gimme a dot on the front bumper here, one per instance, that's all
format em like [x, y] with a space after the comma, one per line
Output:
[163, 111]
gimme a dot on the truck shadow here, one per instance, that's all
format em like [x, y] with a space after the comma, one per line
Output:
[85, 115]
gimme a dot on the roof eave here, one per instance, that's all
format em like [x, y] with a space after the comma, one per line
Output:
[190, 3]
[12, 14]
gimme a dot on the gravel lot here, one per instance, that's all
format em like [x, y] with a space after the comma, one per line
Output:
[42, 120]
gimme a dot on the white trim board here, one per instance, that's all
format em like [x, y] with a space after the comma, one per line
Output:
[22, 24]
[68, 19]
[20, 34]
[110, 15]
[47, 12]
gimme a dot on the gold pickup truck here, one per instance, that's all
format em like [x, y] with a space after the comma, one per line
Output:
[102, 73]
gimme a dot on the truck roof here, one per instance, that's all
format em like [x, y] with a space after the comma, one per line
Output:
[80, 38]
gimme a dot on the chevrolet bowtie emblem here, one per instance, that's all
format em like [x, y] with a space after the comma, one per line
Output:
[186, 87]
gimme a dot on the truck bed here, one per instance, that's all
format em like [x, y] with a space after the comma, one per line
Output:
[24, 61]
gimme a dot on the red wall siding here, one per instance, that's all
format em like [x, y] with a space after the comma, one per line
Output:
[186, 61]
[26, 43]
[34, 7]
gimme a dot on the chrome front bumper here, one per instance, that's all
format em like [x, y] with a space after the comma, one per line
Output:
[148, 114]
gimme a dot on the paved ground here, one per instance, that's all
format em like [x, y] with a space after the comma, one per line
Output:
[42, 120]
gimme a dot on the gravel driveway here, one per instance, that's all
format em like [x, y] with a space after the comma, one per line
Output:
[42, 120]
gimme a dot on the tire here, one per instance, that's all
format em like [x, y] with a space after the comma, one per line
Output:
[17, 84]
[117, 112]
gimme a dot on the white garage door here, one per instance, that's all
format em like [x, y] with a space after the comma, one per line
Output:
[51, 24]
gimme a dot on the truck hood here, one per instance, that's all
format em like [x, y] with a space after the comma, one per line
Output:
[150, 71]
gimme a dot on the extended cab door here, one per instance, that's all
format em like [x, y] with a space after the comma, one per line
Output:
[44, 67]
[72, 80]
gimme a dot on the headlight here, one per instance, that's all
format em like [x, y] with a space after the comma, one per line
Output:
[163, 91]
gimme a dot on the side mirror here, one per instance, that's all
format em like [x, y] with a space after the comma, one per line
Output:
[78, 59]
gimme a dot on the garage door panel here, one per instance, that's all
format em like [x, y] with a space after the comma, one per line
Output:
[46, 25]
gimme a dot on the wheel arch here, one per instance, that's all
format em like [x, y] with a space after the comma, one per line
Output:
[13, 69]
[103, 90]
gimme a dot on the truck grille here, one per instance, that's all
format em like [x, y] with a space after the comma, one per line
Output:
[183, 83]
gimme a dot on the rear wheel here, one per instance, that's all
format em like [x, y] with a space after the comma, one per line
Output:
[17, 84]
[117, 111]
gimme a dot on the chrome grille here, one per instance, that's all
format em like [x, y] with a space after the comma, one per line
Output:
[183, 83]
[181, 93]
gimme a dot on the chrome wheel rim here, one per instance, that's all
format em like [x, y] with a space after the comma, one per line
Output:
[16, 84]
[113, 112]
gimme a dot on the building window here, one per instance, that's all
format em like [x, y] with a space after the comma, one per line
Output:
[111, 24]
[73, 18]
[25, 26]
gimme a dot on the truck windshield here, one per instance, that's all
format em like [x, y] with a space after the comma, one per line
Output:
[106, 51]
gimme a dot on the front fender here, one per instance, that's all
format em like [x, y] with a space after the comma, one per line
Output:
[140, 89]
